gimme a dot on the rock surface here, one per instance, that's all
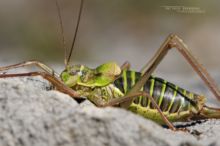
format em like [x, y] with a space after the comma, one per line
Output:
[32, 115]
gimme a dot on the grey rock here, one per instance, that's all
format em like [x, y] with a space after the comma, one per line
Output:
[30, 114]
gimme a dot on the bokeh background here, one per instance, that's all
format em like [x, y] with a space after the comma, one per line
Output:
[113, 30]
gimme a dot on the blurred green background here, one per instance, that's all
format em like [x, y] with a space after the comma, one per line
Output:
[110, 30]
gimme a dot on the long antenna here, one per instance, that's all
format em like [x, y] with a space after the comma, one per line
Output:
[75, 33]
[62, 32]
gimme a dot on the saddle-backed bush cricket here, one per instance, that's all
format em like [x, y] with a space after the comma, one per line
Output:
[112, 85]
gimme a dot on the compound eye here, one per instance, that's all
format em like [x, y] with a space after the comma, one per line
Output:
[73, 73]
[76, 72]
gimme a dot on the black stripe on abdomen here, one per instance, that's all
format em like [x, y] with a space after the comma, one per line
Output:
[168, 96]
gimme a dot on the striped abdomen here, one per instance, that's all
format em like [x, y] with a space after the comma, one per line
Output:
[168, 96]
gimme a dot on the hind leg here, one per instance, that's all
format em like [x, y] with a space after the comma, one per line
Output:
[173, 41]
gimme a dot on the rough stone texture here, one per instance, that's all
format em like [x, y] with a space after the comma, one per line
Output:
[32, 115]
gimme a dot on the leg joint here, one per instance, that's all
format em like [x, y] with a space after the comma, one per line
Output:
[173, 38]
